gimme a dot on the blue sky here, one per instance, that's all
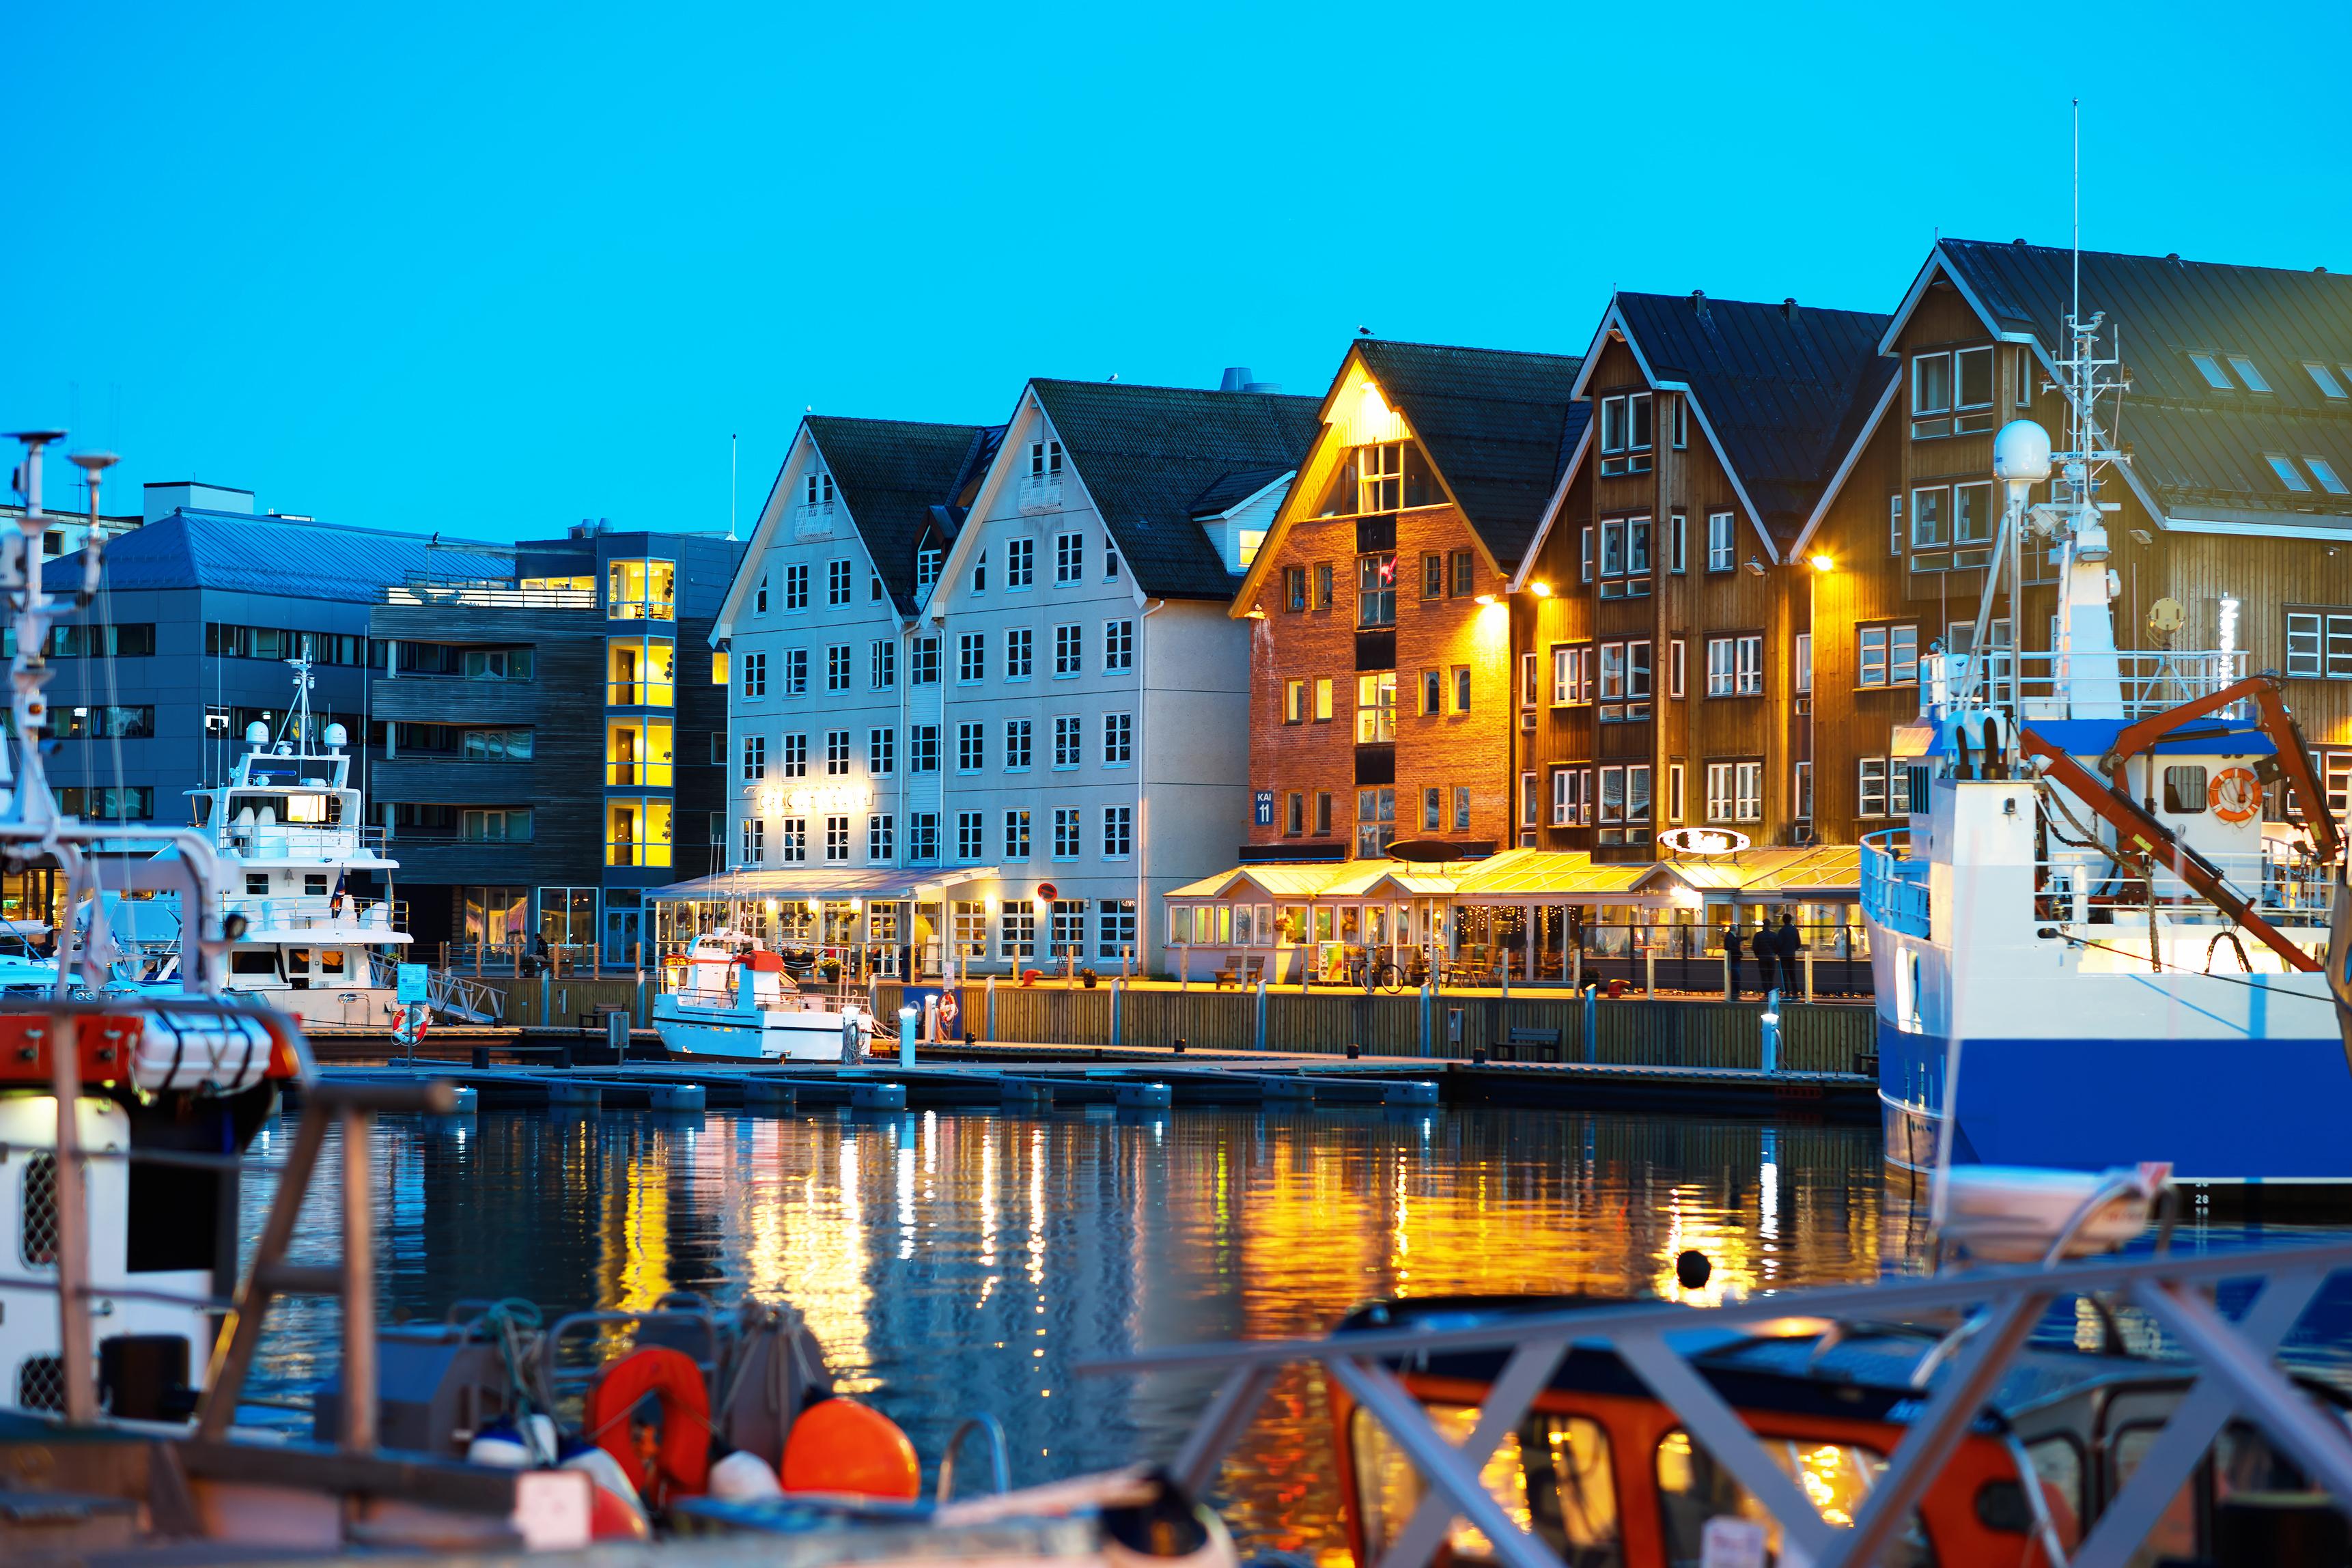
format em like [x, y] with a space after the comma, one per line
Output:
[490, 270]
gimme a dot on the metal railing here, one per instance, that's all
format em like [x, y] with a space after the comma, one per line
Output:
[813, 521]
[1661, 1343]
[488, 593]
[1893, 885]
[2148, 682]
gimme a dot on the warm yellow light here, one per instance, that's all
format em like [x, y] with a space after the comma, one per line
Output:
[1541, 590]
[771, 906]
[1486, 598]
[1825, 564]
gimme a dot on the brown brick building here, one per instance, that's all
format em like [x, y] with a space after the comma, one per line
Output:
[1381, 675]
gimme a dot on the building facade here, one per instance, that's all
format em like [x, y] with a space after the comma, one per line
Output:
[1381, 682]
[553, 737]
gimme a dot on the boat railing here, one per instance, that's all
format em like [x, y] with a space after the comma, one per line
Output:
[1893, 885]
[324, 841]
[2086, 886]
[360, 919]
[2144, 680]
[1663, 1344]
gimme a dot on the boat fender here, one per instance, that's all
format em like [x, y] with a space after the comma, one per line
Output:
[615, 1511]
[841, 1446]
[502, 1445]
[744, 1477]
[682, 1462]
[1171, 1528]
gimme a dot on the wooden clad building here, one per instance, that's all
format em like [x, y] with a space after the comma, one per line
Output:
[1380, 670]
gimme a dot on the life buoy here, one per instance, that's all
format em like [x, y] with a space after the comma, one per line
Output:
[683, 1461]
[2235, 795]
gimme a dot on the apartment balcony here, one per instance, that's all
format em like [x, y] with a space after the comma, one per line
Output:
[1038, 492]
[812, 520]
[487, 593]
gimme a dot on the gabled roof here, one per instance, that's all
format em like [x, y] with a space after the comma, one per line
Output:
[1231, 491]
[2196, 449]
[889, 474]
[240, 552]
[1147, 454]
[1495, 423]
[1780, 390]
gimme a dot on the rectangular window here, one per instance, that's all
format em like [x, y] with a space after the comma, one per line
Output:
[1375, 822]
[1895, 524]
[755, 841]
[1674, 662]
[1068, 741]
[1804, 663]
[1118, 740]
[971, 748]
[927, 562]
[1323, 701]
[1530, 679]
[972, 657]
[1721, 547]
[2248, 373]
[1376, 590]
[1433, 575]
[2319, 643]
[2324, 472]
[1804, 792]
[1572, 797]
[879, 840]
[836, 839]
[1294, 703]
[1889, 656]
[1462, 688]
[796, 586]
[1294, 589]
[1972, 514]
[1111, 559]
[837, 582]
[1065, 833]
[969, 844]
[755, 758]
[1463, 567]
[1118, 832]
[794, 757]
[881, 753]
[1020, 652]
[1375, 709]
[1432, 691]
[1119, 646]
[1069, 557]
[1016, 836]
[1930, 520]
[2283, 467]
[1321, 598]
[1432, 809]
[1675, 793]
[2324, 379]
[755, 675]
[797, 666]
[1016, 745]
[1870, 798]
[1115, 927]
[883, 663]
[924, 669]
[923, 748]
[923, 834]
[1677, 539]
[837, 667]
[1069, 652]
[1735, 666]
[1461, 808]
[1571, 675]
[792, 844]
[1323, 814]
[1584, 554]
[1020, 562]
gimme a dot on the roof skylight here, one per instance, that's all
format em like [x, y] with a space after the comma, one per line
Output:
[2325, 378]
[2324, 472]
[2288, 474]
[2211, 372]
[2248, 373]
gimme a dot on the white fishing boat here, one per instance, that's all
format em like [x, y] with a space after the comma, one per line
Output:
[304, 882]
[2087, 952]
[728, 997]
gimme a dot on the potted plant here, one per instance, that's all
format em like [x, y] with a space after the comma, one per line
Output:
[1087, 977]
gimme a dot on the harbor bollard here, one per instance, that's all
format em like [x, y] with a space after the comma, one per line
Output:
[1769, 1032]
[907, 1036]
[1180, 1044]
[877, 1097]
[1144, 1096]
[1592, 1022]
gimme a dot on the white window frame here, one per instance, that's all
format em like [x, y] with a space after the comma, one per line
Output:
[1722, 542]
[1871, 788]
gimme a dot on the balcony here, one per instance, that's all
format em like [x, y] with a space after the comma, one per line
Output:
[487, 593]
[1038, 492]
[812, 520]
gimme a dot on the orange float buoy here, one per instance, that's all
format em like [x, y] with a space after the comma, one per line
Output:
[682, 1462]
[842, 1447]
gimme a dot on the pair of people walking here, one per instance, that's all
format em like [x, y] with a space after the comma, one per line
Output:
[1774, 951]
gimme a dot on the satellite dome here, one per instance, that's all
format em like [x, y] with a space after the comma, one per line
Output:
[2020, 453]
[338, 737]
[257, 733]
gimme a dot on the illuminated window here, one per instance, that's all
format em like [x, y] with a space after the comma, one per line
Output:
[1375, 708]
[636, 832]
[1376, 590]
[641, 590]
[639, 673]
[1575, 1517]
[637, 751]
[1835, 1477]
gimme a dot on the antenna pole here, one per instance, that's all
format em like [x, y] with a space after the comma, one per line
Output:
[730, 487]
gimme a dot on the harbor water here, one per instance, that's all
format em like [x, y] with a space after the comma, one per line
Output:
[958, 1263]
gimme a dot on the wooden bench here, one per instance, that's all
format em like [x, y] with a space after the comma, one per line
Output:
[1247, 974]
[1543, 1044]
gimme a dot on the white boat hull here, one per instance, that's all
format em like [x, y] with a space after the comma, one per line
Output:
[747, 1033]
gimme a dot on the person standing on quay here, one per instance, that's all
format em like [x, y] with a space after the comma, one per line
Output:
[1788, 942]
[1731, 953]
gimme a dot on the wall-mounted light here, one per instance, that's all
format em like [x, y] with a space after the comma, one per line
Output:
[1824, 563]
[1541, 590]
[1486, 598]
[1755, 567]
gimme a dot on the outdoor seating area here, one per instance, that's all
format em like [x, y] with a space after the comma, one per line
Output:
[1524, 918]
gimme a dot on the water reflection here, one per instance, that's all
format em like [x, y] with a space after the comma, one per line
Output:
[952, 1263]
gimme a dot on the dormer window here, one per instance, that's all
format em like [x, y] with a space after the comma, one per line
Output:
[927, 567]
[1625, 434]
[1951, 393]
[2248, 373]
[2324, 379]
[2211, 369]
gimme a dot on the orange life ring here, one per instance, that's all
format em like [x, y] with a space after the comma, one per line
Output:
[2235, 795]
[683, 1463]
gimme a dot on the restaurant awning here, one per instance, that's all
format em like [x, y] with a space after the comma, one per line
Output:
[821, 885]
[1824, 873]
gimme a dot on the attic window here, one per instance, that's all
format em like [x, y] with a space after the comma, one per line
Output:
[2211, 371]
[2288, 474]
[1625, 435]
[1387, 475]
[2324, 378]
[2248, 373]
[2324, 472]
[927, 567]
[817, 490]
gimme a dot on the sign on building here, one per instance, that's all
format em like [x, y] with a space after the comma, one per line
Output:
[1264, 808]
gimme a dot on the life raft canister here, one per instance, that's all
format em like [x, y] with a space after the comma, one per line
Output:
[2235, 795]
[683, 1464]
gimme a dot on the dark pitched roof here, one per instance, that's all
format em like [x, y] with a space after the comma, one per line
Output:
[240, 552]
[1785, 389]
[2195, 447]
[1229, 491]
[890, 473]
[1147, 454]
[1496, 422]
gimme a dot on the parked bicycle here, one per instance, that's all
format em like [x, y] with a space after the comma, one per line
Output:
[1376, 975]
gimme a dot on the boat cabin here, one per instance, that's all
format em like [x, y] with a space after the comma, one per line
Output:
[1605, 1474]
